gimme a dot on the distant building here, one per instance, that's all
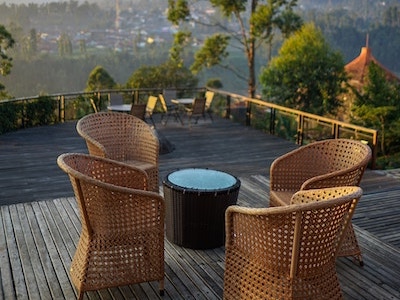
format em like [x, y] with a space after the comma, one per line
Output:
[357, 69]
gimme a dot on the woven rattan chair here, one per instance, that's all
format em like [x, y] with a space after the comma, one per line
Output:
[288, 252]
[328, 163]
[122, 235]
[122, 137]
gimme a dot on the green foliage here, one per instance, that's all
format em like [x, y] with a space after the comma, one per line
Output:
[181, 40]
[178, 10]
[307, 75]
[6, 42]
[40, 111]
[229, 7]
[214, 83]
[64, 45]
[10, 114]
[387, 162]
[22, 114]
[212, 52]
[99, 79]
[166, 75]
[378, 106]
[256, 22]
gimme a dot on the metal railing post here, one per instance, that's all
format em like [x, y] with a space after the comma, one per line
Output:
[228, 107]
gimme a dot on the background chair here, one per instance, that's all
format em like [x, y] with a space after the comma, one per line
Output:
[197, 110]
[328, 163]
[139, 111]
[288, 252]
[122, 235]
[169, 109]
[209, 98]
[122, 137]
[92, 102]
[150, 106]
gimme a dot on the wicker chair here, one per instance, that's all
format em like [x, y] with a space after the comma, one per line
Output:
[122, 137]
[288, 252]
[122, 235]
[328, 163]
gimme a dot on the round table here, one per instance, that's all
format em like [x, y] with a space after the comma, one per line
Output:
[196, 200]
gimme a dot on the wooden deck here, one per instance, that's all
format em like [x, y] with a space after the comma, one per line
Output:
[39, 222]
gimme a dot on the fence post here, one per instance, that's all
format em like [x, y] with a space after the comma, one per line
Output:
[272, 121]
[62, 109]
[248, 113]
[228, 107]
[300, 130]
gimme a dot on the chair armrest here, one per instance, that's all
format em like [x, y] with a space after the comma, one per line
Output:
[348, 177]
[95, 148]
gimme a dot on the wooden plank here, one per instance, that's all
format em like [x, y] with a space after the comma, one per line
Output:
[56, 249]
[35, 275]
[6, 276]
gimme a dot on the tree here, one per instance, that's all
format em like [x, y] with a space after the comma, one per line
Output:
[306, 75]
[6, 42]
[378, 106]
[64, 45]
[166, 75]
[256, 22]
[99, 79]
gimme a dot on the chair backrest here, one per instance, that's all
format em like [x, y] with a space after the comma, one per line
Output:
[272, 253]
[198, 106]
[209, 98]
[89, 167]
[119, 136]
[163, 103]
[327, 163]
[99, 183]
[116, 99]
[151, 104]
[138, 110]
[169, 95]
[93, 105]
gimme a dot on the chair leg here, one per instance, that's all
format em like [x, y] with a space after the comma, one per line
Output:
[80, 295]
[210, 115]
[161, 287]
[166, 121]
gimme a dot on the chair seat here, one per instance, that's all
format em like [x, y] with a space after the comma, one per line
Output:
[140, 164]
[280, 198]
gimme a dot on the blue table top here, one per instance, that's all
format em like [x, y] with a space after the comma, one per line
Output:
[202, 179]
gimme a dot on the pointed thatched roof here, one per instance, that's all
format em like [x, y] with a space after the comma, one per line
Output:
[358, 68]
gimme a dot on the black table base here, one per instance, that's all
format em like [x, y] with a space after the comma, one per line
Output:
[196, 219]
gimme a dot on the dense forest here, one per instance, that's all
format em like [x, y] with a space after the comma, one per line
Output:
[59, 43]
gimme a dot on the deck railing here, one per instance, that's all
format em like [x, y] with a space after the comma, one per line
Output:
[295, 125]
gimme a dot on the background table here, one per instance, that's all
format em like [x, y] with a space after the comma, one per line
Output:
[183, 101]
[120, 107]
[196, 200]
